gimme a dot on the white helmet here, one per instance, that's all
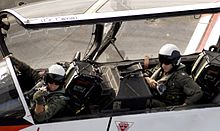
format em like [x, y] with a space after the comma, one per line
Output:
[56, 69]
[170, 54]
[56, 74]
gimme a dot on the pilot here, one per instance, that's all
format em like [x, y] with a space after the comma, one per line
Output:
[50, 98]
[48, 94]
[170, 83]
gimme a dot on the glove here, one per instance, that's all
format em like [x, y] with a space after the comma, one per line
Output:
[39, 97]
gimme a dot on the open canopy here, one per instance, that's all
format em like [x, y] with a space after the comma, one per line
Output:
[63, 12]
[145, 27]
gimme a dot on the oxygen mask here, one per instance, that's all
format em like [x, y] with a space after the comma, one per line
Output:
[161, 88]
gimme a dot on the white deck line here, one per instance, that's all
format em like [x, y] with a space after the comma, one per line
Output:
[198, 34]
[214, 35]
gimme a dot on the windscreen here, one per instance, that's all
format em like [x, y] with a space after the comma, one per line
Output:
[49, 8]
[41, 48]
[122, 5]
[135, 39]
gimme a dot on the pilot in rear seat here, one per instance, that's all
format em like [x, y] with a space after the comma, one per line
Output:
[49, 99]
[170, 84]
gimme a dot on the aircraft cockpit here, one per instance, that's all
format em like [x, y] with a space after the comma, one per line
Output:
[109, 87]
[101, 45]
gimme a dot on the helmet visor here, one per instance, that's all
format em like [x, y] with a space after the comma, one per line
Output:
[166, 60]
[53, 78]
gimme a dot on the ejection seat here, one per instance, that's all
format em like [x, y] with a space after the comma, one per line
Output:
[85, 85]
[206, 72]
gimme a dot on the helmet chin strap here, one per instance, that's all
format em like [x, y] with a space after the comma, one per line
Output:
[178, 61]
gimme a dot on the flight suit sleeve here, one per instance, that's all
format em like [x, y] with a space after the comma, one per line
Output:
[53, 106]
[190, 88]
[25, 69]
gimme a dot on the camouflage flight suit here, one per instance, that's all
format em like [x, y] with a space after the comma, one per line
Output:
[180, 89]
[55, 103]
[28, 77]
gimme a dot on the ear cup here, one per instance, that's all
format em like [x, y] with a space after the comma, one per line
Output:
[46, 78]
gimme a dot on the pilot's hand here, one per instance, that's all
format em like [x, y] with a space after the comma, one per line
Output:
[146, 62]
[152, 83]
[39, 97]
